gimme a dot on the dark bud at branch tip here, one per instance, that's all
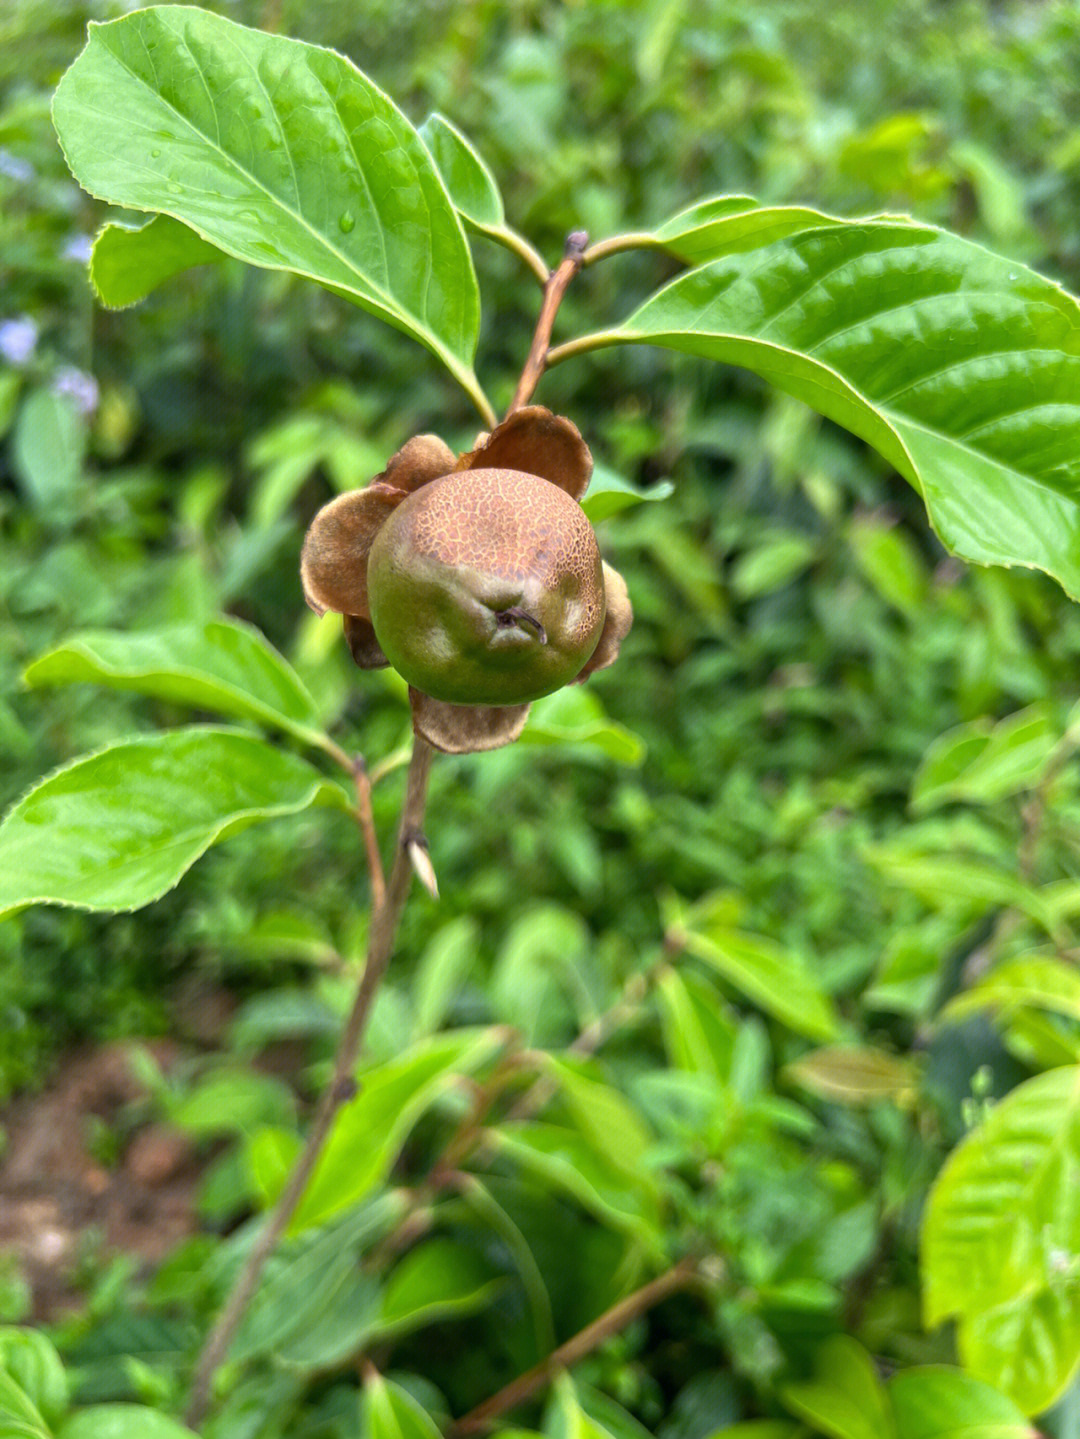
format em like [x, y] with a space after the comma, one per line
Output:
[576, 243]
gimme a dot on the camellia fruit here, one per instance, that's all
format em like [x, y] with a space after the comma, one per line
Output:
[476, 576]
[486, 587]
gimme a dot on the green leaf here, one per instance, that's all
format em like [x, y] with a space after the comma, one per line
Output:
[609, 494]
[845, 1399]
[47, 449]
[775, 560]
[890, 562]
[575, 716]
[469, 182]
[776, 980]
[1038, 982]
[934, 1402]
[957, 881]
[127, 263]
[565, 1418]
[981, 763]
[116, 829]
[303, 1278]
[277, 152]
[222, 665]
[610, 1124]
[564, 1160]
[19, 1416]
[853, 1074]
[27, 1357]
[123, 1421]
[450, 955]
[439, 1279]
[370, 1130]
[960, 367]
[699, 1037]
[388, 1412]
[730, 224]
[1001, 1242]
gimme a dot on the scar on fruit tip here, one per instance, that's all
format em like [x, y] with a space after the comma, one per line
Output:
[506, 618]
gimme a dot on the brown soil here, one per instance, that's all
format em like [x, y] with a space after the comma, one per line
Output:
[56, 1198]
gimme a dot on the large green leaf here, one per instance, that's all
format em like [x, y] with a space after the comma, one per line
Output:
[117, 829]
[280, 153]
[1000, 1240]
[127, 263]
[960, 367]
[222, 665]
[933, 1402]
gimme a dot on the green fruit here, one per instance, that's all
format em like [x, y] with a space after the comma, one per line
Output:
[486, 588]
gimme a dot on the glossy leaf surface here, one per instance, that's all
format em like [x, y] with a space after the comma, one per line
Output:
[223, 666]
[960, 367]
[278, 152]
[116, 829]
[128, 263]
[1001, 1238]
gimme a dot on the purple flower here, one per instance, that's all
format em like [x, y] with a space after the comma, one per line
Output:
[81, 387]
[78, 248]
[15, 167]
[18, 340]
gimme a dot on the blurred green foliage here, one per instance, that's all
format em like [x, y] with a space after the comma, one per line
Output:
[800, 641]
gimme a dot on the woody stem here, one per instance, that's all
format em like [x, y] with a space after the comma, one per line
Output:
[342, 1086]
[556, 287]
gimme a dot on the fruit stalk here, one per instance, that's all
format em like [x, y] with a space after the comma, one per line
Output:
[554, 290]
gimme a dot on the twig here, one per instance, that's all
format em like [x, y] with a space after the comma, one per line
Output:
[554, 290]
[342, 1087]
[682, 1276]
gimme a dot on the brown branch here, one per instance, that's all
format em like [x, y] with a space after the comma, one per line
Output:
[682, 1276]
[554, 290]
[341, 1088]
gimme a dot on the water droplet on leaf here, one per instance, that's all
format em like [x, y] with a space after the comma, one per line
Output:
[154, 154]
[346, 222]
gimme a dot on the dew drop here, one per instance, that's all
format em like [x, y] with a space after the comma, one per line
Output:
[346, 222]
[173, 188]
[154, 154]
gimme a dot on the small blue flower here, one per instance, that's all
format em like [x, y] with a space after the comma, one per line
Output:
[15, 167]
[78, 248]
[79, 386]
[18, 340]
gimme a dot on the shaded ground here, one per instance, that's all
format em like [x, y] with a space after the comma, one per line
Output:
[57, 1197]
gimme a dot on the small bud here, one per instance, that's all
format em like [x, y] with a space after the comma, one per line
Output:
[420, 859]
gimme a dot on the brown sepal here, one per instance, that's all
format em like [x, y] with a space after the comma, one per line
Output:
[539, 443]
[333, 562]
[617, 622]
[419, 461]
[465, 729]
[363, 646]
